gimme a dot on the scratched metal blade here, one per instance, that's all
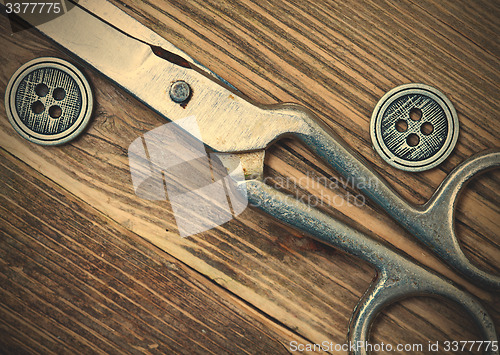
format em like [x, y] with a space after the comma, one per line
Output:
[99, 44]
[122, 21]
[133, 28]
[124, 59]
[98, 32]
[94, 31]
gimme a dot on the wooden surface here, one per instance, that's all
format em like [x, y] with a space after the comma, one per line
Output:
[88, 267]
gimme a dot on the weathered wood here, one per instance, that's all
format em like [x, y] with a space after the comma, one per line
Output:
[74, 281]
[74, 267]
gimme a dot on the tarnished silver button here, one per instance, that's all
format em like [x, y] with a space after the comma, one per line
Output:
[48, 101]
[414, 127]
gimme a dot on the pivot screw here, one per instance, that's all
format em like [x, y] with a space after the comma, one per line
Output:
[180, 92]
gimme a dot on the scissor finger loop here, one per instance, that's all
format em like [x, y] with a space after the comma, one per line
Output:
[398, 277]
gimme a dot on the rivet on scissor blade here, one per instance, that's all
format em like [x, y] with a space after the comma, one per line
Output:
[180, 92]
[414, 127]
[48, 101]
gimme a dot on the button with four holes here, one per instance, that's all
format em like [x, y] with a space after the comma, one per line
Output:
[414, 127]
[48, 101]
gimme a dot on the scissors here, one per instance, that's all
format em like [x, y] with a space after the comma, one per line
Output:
[145, 65]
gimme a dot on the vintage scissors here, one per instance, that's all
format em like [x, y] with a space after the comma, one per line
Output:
[145, 65]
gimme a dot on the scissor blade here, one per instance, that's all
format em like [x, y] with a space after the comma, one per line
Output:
[92, 30]
[111, 51]
[97, 33]
[125, 23]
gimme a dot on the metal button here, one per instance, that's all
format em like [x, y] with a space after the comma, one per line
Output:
[414, 127]
[48, 101]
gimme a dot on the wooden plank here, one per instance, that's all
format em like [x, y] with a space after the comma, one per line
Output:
[74, 281]
[336, 58]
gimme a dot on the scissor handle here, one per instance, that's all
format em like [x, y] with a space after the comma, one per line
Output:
[437, 228]
[431, 223]
[387, 289]
[398, 277]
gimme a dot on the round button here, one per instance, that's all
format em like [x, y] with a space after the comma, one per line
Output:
[48, 101]
[414, 127]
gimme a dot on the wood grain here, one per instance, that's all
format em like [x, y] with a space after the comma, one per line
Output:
[75, 281]
[87, 266]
